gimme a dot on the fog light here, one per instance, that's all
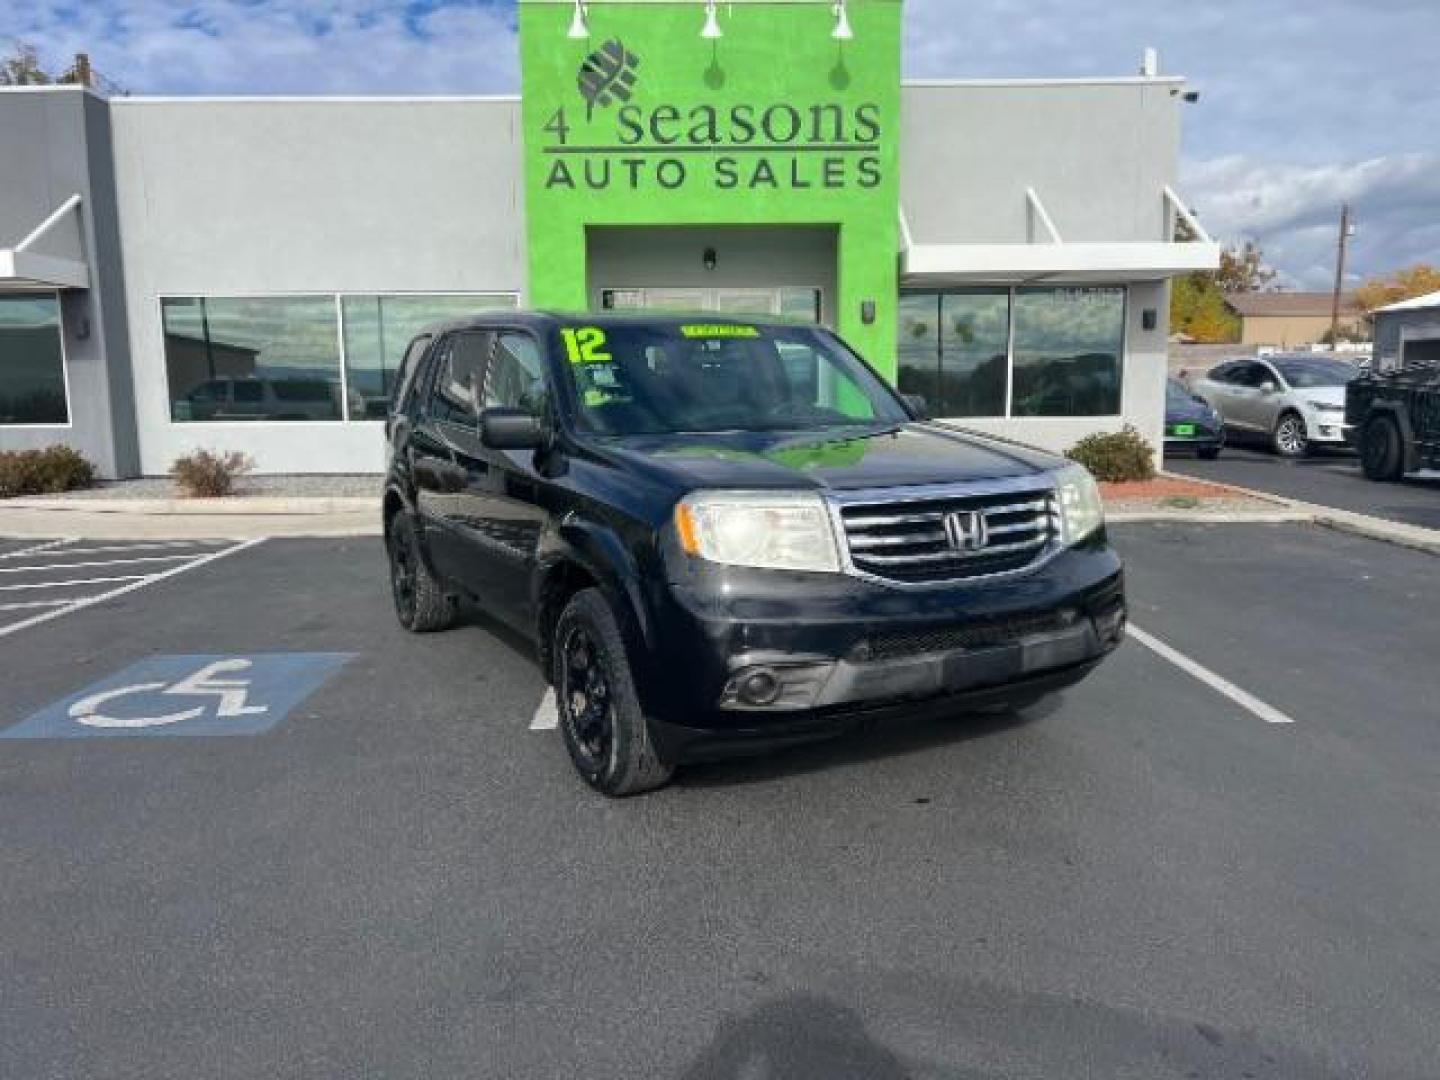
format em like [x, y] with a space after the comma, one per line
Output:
[1110, 625]
[760, 687]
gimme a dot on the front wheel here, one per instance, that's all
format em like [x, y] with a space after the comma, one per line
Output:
[600, 719]
[1291, 439]
[1380, 450]
[421, 603]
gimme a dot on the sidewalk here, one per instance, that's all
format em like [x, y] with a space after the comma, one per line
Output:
[100, 515]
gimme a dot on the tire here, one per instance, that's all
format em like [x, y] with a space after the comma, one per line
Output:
[1290, 438]
[604, 730]
[421, 603]
[1380, 449]
[1210, 453]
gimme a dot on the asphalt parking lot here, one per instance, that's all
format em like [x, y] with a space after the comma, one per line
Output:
[1328, 478]
[376, 868]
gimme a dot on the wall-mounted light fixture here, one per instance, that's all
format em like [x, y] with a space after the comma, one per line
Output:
[579, 29]
[711, 30]
[842, 31]
[709, 259]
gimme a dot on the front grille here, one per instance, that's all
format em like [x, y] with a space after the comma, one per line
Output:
[987, 634]
[910, 542]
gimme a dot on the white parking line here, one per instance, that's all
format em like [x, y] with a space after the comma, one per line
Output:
[29, 605]
[134, 583]
[148, 545]
[37, 548]
[547, 716]
[1243, 698]
[97, 562]
[72, 581]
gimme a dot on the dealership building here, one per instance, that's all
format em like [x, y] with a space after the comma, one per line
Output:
[245, 273]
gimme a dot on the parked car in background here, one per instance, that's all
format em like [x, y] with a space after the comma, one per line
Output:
[1190, 423]
[1395, 419]
[1295, 402]
[260, 399]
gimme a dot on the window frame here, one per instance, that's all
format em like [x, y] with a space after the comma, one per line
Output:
[1012, 291]
[69, 423]
[337, 297]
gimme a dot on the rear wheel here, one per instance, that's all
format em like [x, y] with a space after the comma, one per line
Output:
[421, 604]
[1380, 450]
[1290, 438]
[605, 732]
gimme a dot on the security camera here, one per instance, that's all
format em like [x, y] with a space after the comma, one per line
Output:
[1191, 96]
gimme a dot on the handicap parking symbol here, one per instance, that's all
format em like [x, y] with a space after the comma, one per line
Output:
[186, 695]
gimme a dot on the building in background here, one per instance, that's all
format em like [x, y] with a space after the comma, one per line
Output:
[1289, 319]
[1408, 332]
[244, 273]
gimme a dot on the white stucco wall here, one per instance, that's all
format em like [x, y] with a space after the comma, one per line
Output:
[261, 196]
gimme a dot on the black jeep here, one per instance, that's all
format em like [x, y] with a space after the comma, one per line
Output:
[1395, 418]
[729, 535]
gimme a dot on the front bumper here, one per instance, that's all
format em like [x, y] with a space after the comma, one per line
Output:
[1328, 428]
[840, 649]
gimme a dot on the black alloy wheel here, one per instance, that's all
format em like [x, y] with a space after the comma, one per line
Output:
[586, 693]
[421, 604]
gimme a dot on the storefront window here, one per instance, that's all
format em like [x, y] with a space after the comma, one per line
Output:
[974, 341]
[252, 358]
[954, 349]
[32, 361]
[377, 330]
[1068, 349]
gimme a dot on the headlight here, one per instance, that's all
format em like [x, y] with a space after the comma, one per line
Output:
[783, 530]
[1081, 511]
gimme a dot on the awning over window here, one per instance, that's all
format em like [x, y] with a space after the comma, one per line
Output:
[1048, 258]
[50, 256]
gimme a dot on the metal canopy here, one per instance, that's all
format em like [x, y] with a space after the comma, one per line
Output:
[1046, 257]
[59, 262]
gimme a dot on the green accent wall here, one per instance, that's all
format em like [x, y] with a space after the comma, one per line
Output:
[647, 123]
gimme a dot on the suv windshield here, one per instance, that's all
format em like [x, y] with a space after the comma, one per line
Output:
[664, 378]
[1308, 373]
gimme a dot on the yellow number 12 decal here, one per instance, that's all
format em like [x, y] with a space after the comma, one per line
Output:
[585, 345]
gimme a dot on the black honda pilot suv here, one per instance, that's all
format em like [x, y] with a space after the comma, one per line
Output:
[727, 535]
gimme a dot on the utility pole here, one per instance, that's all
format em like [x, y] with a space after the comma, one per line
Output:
[1345, 232]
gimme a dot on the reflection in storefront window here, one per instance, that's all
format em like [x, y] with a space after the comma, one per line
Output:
[32, 361]
[377, 330]
[954, 350]
[1068, 349]
[252, 358]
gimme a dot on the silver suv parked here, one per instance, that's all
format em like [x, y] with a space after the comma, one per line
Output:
[1294, 401]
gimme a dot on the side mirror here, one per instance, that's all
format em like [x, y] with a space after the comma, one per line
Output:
[511, 429]
[917, 405]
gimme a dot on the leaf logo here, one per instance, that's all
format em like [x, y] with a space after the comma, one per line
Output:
[607, 75]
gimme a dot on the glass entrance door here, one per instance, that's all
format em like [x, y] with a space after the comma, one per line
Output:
[789, 301]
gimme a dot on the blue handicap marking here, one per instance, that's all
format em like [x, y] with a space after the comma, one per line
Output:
[186, 695]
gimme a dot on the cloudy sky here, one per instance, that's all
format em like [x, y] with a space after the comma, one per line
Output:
[1304, 103]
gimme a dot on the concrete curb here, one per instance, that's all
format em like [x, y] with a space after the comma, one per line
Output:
[239, 505]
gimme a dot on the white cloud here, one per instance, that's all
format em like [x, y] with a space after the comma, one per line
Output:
[278, 46]
[1292, 211]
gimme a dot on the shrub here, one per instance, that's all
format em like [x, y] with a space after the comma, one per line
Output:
[1123, 455]
[45, 471]
[205, 475]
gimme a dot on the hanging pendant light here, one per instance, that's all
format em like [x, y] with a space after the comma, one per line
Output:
[711, 29]
[578, 27]
[842, 31]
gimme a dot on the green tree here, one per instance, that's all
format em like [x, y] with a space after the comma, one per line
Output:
[23, 68]
[1197, 299]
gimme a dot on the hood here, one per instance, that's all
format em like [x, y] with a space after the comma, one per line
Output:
[899, 456]
[1331, 395]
